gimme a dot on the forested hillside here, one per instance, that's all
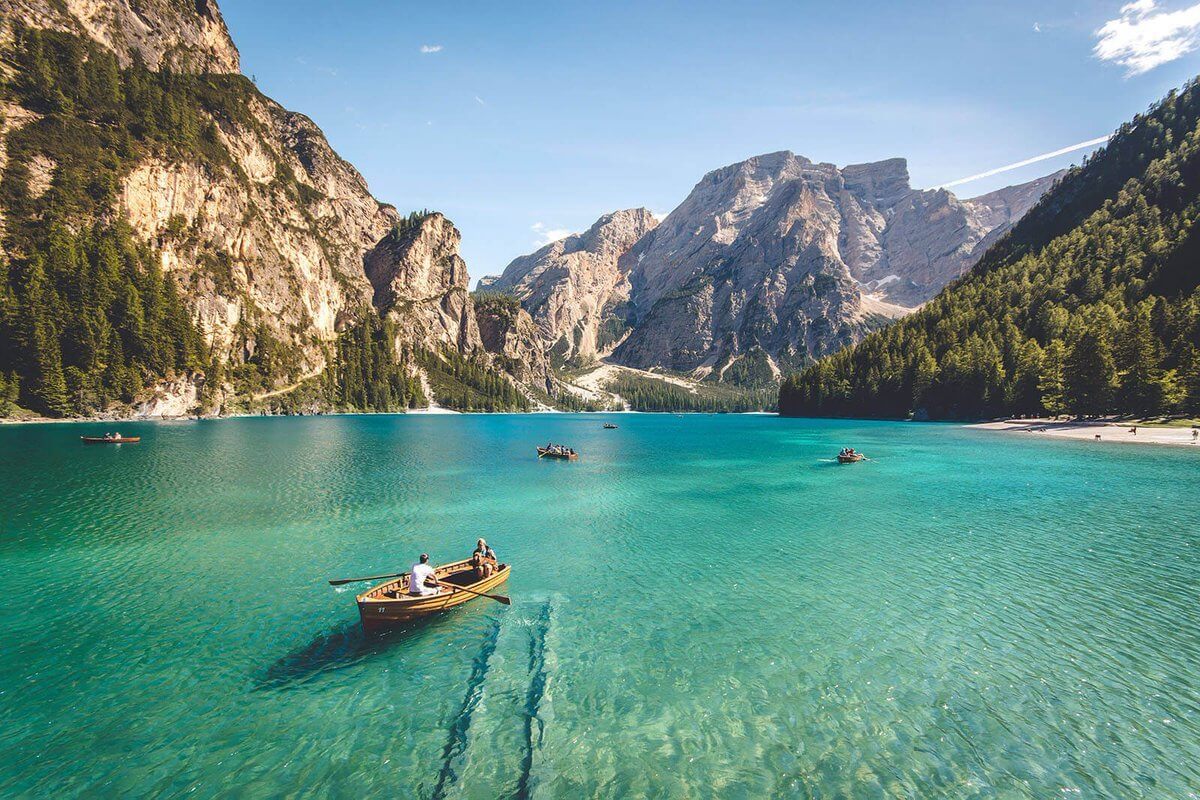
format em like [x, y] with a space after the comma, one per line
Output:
[1088, 306]
[178, 235]
[86, 315]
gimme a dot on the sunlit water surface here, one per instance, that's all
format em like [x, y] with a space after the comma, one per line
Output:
[702, 606]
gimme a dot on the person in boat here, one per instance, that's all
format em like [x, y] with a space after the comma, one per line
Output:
[421, 576]
[483, 560]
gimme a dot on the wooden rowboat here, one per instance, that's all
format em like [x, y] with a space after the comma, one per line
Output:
[390, 603]
[546, 452]
[850, 458]
[610, 426]
[110, 439]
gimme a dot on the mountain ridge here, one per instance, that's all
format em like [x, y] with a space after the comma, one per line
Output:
[776, 256]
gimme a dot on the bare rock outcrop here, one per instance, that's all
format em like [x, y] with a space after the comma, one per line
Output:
[574, 288]
[275, 245]
[185, 35]
[509, 334]
[419, 278]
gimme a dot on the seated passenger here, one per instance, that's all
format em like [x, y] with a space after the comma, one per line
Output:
[483, 559]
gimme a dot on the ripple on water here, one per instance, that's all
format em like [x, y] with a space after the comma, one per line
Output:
[964, 616]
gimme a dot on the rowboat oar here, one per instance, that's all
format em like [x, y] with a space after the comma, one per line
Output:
[499, 598]
[370, 578]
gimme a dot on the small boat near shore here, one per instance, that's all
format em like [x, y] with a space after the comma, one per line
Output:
[557, 451]
[110, 439]
[609, 426]
[390, 603]
[850, 456]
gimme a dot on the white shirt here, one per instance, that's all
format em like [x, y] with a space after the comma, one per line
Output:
[416, 582]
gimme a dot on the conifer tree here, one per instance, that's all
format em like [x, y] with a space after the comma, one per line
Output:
[1089, 375]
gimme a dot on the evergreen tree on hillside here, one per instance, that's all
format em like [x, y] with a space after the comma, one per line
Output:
[1089, 376]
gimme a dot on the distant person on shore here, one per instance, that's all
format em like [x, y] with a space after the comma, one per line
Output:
[419, 575]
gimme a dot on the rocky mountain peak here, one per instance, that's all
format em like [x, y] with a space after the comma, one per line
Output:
[796, 258]
[610, 235]
[185, 35]
[573, 287]
[881, 183]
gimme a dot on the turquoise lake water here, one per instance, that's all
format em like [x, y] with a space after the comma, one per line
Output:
[702, 606]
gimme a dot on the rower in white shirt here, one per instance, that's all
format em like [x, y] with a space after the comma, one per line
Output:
[420, 573]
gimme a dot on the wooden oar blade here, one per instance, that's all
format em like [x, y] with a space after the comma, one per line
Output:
[340, 581]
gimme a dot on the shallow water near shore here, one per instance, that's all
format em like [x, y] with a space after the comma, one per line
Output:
[702, 605]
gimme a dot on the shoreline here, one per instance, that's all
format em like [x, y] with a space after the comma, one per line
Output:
[437, 411]
[1108, 432]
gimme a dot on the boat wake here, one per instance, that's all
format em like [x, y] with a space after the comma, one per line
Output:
[535, 727]
[494, 741]
[457, 742]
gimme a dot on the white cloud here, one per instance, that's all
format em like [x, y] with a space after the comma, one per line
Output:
[1026, 162]
[1037, 27]
[1143, 37]
[479, 100]
[431, 48]
[548, 235]
[659, 216]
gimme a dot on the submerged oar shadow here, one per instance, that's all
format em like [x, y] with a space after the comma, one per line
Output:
[337, 648]
[454, 754]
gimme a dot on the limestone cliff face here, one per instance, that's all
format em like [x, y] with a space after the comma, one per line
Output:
[797, 258]
[750, 258]
[509, 334]
[274, 245]
[573, 288]
[933, 237]
[419, 278]
[185, 35]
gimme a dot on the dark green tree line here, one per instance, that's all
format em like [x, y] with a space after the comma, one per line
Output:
[366, 373]
[648, 394]
[468, 384]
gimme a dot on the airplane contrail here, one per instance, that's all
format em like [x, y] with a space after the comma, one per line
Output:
[1026, 162]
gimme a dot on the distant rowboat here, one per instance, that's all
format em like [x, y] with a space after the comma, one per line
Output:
[610, 426]
[850, 458]
[546, 452]
[390, 603]
[110, 439]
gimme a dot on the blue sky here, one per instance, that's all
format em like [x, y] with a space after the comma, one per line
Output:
[518, 119]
